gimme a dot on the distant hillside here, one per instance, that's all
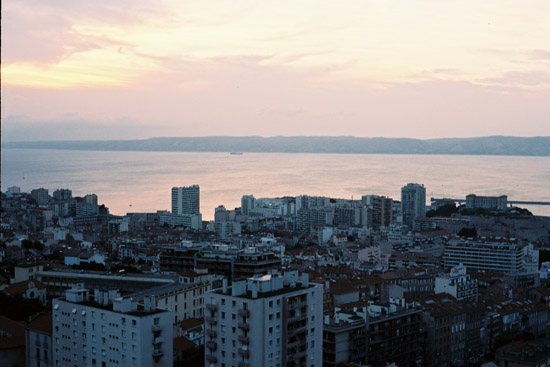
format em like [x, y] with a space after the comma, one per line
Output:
[491, 145]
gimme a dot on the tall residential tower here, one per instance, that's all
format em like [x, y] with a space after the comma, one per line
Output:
[186, 200]
[413, 203]
[273, 320]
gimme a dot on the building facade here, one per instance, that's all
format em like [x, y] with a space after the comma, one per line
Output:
[413, 203]
[108, 330]
[497, 255]
[186, 200]
[219, 259]
[271, 320]
[486, 202]
[458, 284]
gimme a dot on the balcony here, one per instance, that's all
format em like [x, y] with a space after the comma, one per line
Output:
[296, 331]
[211, 320]
[157, 328]
[244, 326]
[211, 345]
[244, 340]
[157, 352]
[211, 333]
[159, 339]
[211, 358]
[211, 307]
[243, 313]
[244, 352]
[296, 318]
[243, 364]
[295, 304]
[296, 343]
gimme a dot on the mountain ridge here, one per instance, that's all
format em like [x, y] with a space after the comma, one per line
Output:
[487, 145]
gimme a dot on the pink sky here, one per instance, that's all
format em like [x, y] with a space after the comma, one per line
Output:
[75, 69]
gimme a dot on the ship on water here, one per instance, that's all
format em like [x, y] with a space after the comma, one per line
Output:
[236, 153]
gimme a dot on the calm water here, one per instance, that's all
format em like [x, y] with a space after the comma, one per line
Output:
[141, 181]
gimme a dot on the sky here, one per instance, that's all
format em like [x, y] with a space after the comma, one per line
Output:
[121, 69]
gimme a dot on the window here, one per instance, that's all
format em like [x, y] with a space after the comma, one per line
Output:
[271, 330]
[223, 315]
[270, 303]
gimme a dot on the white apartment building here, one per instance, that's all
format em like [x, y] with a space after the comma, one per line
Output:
[486, 202]
[457, 283]
[108, 330]
[185, 220]
[413, 203]
[485, 254]
[184, 299]
[186, 200]
[272, 320]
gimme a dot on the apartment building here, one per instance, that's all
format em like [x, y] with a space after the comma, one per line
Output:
[273, 320]
[105, 329]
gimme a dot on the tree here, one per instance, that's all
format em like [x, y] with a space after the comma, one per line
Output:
[468, 232]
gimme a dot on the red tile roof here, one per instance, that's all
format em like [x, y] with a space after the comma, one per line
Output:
[42, 323]
[16, 332]
[22, 287]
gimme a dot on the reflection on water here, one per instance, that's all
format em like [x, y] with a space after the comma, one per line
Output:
[141, 181]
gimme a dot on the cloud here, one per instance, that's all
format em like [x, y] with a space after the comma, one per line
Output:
[47, 32]
[516, 79]
[541, 55]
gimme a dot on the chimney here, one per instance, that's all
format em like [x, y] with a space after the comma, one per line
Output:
[254, 290]
[224, 285]
[305, 280]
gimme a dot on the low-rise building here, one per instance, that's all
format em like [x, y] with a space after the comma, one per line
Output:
[457, 283]
[38, 342]
[105, 329]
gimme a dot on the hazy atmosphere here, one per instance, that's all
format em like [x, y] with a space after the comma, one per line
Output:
[137, 69]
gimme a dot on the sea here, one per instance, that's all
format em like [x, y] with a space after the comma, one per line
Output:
[130, 182]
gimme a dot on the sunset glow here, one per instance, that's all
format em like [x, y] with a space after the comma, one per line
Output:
[295, 55]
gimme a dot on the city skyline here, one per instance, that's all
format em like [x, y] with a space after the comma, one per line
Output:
[136, 70]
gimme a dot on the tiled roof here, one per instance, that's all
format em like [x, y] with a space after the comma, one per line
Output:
[42, 323]
[16, 332]
[22, 287]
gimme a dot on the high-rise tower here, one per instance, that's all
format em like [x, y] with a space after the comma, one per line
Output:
[186, 200]
[413, 202]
